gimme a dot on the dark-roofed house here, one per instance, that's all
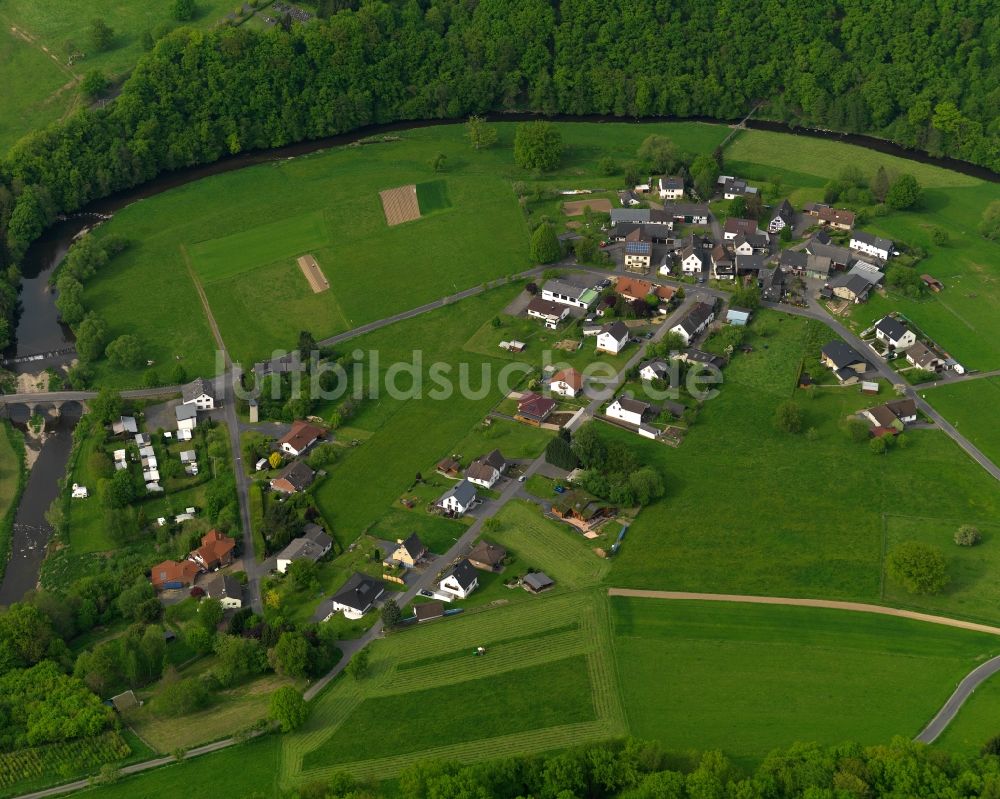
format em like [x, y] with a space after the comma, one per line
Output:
[656, 369]
[735, 227]
[852, 288]
[782, 217]
[872, 245]
[302, 436]
[628, 410]
[834, 217]
[536, 582]
[461, 581]
[723, 263]
[698, 318]
[893, 415]
[487, 557]
[688, 213]
[312, 545]
[701, 357]
[535, 408]
[894, 333]
[748, 245]
[749, 264]
[355, 598]
[671, 187]
[794, 260]
[228, 590]
[923, 357]
[459, 498]
[293, 478]
[486, 470]
[428, 611]
[613, 337]
[693, 257]
[839, 257]
[772, 284]
[198, 393]
[735, 187]
[286, 364]
[551, 313]
[408, 552]
[844, 360]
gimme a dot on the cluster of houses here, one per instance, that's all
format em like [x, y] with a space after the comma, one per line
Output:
[898, 339]
[484, 472]
[297, 476]
[196, 397]
[127, 426]
[216, 550]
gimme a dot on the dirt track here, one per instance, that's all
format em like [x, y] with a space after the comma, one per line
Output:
[400, 205]
[832, 604]
[310, 268]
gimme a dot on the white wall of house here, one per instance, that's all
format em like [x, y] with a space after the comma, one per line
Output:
[494, 476]
[563, 388]
[616, 411]
[869, 249]
[452, 504]
[562, 298]
[691, 265]
[348, 612]
[203, 402]
[608, 343]
[450, 585]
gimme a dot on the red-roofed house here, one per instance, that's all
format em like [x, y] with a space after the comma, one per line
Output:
[302, 436]
[535, 408]
[567, 382]
[216, 550]
[173, 574]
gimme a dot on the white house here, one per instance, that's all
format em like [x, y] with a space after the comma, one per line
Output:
[628, 410]
[657, 369]
[875, 246]
[699, 317]
[199, 394]
[459, 498]
[80, 492]
[302, 436]
[357, 596]
[226, 589]
[571, 294]
[670, 187]
[566, 382]
[692, 261]
[613, 338]
[782, 217]
[187, 417]
[551, 313]
[461, 581]
[735, 187]
[312, 545]
[894, 334]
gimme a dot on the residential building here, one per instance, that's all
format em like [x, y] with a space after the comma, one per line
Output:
[199, 393]
[312, 545]
[735, 187]
[295, 477]
[698, 318]
[735, 227]
[487, 557]
[923, 357]
[459, 498]
[838, 218]
[187, 417]
[794, 260]
[872, 245]
[354, 599]
[302, 436]
[628, 199]
[287, 364]
[670, 187]
[535, 408]
[657, 369]
[893, 415]
[844, 361]
[482, 474]
[782, 217]
[216, 550]
[173, 574]
[750, 265]
[228, 590]
[408, 552]
[688, 213]
[748, 244]
[772, 284]
[723, 263]
[628, 410]
[693, 258]
[567, 382]
[551, 313]
[818, 267]
[852, 288]
[634, 288]
[894, 334]
[613, 338]
[571, 294]
[839, 257]
[638, 252]
[869, 271]
[461, 581]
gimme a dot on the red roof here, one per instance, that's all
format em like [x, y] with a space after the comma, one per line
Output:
[171, 571]
[301, 435]
[215, 547]
[535, 405]
[570, 377]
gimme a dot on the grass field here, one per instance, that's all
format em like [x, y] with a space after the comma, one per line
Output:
[961, 318]
[39, 89]
[753, 510]
[976, 722]
[749, 678]
[12, 476]
[432, 196]
[532, 647]
[963, 404]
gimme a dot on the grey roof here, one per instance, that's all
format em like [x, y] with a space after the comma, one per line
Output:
[312, 545]
[842, 354]
[359, 592]
[819, 264]
[891, 327]
[658, 365]
[698, 315]
[700, 356]
[195, 389]
[298, 474]
[125, 424]
[495, 459]
[547, 307]
[738, 186]
[686, 209]
[464, 492]
[617, 329]
[565, 288]
[633, 405]
[185, 412]
[292, 362]
[772, 283]
[694, 250]
[853, 283]
[749, 263]
[464, 573]
[223, 586]
[671, 182]
[872, 240]
[868, 272]
[839, 255]
[490, 554]
[414, 546]
[317, 535]
[784, 210]
[538, 581]
[638, 215]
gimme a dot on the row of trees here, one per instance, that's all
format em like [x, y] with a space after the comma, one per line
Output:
[642, 770]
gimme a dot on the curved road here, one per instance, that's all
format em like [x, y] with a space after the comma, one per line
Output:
[948, 711]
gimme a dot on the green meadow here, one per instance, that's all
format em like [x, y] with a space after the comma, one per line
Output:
[34, 92]
[977, 722]
[970, 406]
[748, 679]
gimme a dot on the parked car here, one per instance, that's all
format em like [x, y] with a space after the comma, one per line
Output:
[605, 283]
[520, 479]
[560, 489]
[425, 592]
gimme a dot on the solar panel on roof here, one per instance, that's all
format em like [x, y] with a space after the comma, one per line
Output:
[637, 248]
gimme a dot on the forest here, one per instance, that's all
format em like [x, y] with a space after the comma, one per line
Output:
[913, 71]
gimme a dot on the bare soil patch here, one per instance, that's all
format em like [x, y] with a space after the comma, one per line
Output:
[310, 268]
[400, 204]
[575, 207]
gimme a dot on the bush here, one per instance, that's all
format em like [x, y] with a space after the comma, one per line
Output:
[919, 568]
[968, 536]
[788, 417]
[537, 146]
[94, 84]
[856, 430]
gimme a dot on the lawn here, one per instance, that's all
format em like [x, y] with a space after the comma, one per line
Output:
[961, 317]
[750, 509]
[546, 678]
[976, 722]
[515, 440]
[12, 477]
[748, 678]
[963, 404]
[32, 77]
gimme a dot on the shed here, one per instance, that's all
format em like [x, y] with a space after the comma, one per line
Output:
[737, 317]
[536, 582]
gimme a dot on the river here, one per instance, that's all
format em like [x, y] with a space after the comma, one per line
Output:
[39, 331]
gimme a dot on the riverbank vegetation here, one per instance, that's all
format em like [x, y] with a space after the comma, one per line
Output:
[13, 476]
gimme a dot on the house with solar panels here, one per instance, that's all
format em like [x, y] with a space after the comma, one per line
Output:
[638, 252]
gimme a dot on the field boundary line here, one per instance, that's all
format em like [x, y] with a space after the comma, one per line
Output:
[205, 306]
[829, 604]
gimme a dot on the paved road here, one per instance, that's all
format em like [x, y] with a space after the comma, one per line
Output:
[965, 689]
